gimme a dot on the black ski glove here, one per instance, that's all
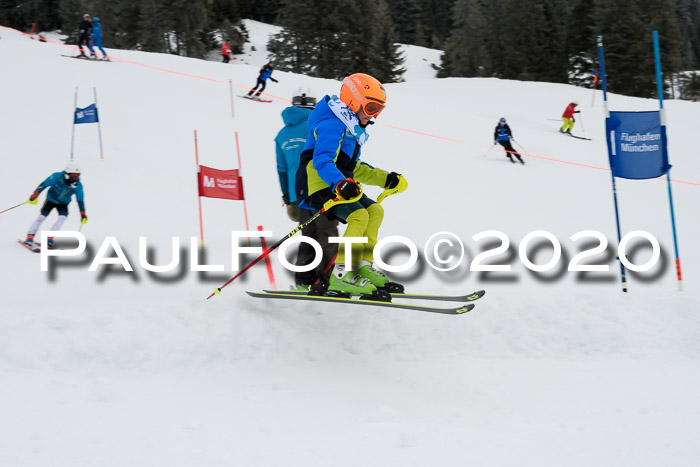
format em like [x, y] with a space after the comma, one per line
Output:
[347, 188]
[392, 179]
[285, 199]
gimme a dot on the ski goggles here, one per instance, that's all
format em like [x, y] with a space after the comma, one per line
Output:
[73, 176]
[304, 101]
[373, 108]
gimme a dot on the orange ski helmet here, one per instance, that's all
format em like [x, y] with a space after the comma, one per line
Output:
[361, 90]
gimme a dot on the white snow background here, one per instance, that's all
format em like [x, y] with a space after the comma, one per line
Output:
[111, 368]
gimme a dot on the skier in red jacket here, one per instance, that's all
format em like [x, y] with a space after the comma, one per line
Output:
[568, 117]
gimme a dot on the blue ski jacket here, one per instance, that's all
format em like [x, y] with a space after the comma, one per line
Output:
[331, 154]
[289, 144]
[502, 133]
[61, 192]
[96, 30]
[265, 73]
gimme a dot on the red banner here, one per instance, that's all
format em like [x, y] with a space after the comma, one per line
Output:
[226, 184]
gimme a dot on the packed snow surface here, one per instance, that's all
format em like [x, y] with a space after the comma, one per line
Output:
[115, 368]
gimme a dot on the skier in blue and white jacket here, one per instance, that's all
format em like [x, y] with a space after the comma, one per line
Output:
[62, 187]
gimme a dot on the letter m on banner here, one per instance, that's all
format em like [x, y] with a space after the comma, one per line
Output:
[637, 145]
[225, 184]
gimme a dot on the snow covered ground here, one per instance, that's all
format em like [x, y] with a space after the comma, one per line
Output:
[112, 368]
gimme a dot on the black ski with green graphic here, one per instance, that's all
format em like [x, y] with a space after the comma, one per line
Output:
[413, 296]
[357, 301]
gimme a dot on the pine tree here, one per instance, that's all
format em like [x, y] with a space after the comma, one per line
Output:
[406, 16]
[661, 16]
[385, 61]
[688, 19]
[533, 51]
[153, 27]
[467, 49]
[580, 45]
[333, 40]
[629, 60]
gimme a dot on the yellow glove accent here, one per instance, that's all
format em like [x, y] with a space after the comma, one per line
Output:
[84, 220]
[34, 201]
[402, 185]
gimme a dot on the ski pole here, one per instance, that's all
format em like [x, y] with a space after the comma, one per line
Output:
[521, 146]
[487, 152]
[20, 204]
[328, 204]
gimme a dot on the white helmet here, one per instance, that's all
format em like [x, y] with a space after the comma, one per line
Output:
[71, 174]
[575, 102]
[72, 168]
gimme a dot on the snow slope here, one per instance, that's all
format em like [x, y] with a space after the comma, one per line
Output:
[113, 368]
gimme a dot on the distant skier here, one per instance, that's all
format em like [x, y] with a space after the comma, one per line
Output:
[330, 167]
[97, 38]
[62, 186]
[226, 52]
[290, 143]
[265, 73]
[568, 117]
[84, 31]
[502, 135]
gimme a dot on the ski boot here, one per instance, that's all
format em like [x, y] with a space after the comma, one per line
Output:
[352, 283]
[49, 243]
[29, 241]
[379, 280]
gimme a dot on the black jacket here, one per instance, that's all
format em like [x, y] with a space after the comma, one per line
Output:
[85, 28]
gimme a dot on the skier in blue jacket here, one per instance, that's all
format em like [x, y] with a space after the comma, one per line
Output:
[97, 38]
[330, 167]
[502, 135]
[62, 186]
[265, 74]
[290, 143]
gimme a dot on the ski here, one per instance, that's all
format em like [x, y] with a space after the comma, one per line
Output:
[33, 247]
[580, 137]
[256, 99]
[87, 58]
[412, 296]
[357, 301]
[574, 136]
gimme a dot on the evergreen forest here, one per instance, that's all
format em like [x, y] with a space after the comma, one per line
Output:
[534, 40]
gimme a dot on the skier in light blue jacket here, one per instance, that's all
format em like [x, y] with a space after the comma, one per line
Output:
[290, 142]
[62, 187]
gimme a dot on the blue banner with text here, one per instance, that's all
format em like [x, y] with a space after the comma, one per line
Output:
[637, 145]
